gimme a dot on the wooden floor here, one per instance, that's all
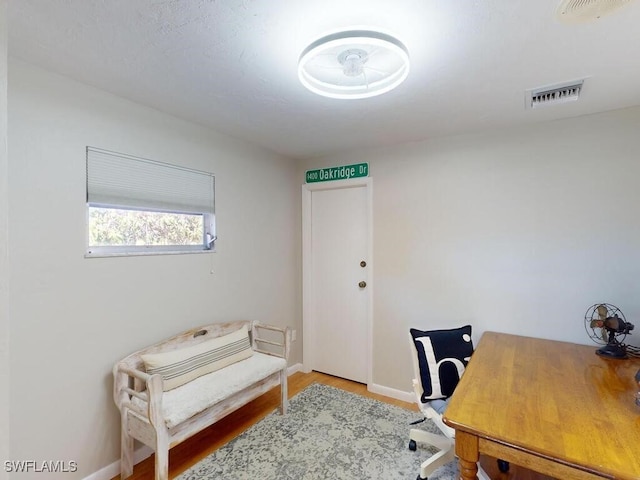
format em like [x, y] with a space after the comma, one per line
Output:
[199, 446]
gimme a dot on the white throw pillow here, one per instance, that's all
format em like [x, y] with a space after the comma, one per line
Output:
[178, 367]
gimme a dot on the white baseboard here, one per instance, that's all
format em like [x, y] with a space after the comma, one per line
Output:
[294, 369]
[373, 388]
[392, 393]
[110, 471]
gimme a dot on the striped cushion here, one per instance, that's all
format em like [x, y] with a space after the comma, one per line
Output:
[178, 367]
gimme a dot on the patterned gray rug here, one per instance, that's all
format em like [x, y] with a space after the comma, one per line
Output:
[327, 434]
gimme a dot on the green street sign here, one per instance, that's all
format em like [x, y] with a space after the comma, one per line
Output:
[337, 173]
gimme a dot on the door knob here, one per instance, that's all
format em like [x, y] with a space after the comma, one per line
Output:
[362, 284]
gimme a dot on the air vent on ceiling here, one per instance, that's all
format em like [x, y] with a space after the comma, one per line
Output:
[554, 95]
[573, 11]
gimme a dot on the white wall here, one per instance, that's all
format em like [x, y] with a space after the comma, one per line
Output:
[4, 253]
[516, 231]
[73, 318]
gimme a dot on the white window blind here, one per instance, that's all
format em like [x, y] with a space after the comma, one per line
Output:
[125, 181]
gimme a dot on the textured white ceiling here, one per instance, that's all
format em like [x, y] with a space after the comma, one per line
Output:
[232, 64]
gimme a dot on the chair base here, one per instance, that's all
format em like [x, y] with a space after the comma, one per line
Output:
[446, 453]
[444, 444]
[503, 466]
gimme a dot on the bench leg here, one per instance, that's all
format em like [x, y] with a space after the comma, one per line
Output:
[284, 396]
[126, 449]
[162, 460]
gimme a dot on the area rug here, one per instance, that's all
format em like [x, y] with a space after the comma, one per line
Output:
[327, 434]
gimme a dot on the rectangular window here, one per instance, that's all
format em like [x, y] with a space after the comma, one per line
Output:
[138, 206]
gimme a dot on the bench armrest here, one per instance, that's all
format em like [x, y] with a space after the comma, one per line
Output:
[278, 344]
[124, 378]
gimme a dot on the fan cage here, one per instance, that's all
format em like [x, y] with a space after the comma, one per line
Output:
[600, 335]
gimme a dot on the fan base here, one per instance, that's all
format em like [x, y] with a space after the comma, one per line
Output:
[612, 351]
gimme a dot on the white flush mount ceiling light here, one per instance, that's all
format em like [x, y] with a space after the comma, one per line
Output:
[353, 64]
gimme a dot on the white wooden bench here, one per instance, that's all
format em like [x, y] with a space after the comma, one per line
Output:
[162, 415]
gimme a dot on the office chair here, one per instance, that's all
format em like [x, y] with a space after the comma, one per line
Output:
[433, 409]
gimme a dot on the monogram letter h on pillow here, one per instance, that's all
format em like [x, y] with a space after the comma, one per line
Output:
[442, 358]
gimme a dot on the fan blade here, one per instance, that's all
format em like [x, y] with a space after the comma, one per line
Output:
[613, 323]
[603, 333]
[596, 324]
[602, 312]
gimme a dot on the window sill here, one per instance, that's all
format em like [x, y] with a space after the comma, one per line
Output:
[146, 254]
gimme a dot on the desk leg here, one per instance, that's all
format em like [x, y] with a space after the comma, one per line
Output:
[468, 455]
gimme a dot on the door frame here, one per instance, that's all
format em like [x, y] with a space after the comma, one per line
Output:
[308, 320]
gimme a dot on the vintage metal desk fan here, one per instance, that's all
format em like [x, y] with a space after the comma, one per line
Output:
[606, 325]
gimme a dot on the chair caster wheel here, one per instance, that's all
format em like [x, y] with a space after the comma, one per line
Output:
[413, 446]
[420, 478]
[503, 466]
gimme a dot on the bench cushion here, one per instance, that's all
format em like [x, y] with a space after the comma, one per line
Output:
[192, 398]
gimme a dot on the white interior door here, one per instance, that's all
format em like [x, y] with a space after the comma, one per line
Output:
[337, 284]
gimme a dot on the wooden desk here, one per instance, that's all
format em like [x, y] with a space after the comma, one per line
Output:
[553, 407]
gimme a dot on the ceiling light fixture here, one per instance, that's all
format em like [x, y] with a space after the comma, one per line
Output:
[353, 64]
[574, 11]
